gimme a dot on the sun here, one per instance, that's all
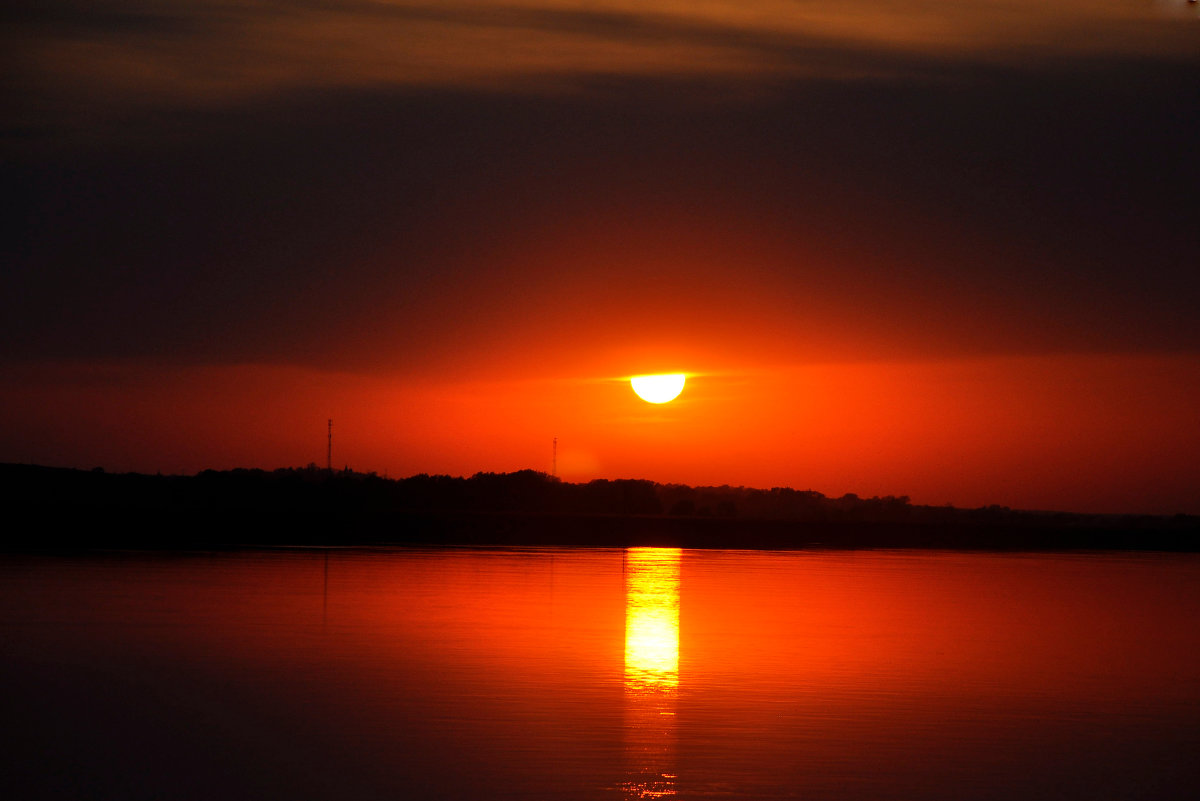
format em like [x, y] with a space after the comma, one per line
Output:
[658, 388]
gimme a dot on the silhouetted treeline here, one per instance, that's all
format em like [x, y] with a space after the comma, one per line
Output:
[315, 506]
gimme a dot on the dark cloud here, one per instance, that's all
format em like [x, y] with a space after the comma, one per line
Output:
[1017, 212]
[932, 205]
[78, 70]
[66, 19]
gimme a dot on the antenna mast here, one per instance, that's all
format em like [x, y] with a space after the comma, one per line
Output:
[554, 470]
[329, 448]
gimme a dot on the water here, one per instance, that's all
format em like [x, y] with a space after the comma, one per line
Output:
[608, 674]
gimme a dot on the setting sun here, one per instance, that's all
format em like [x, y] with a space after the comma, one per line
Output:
[658, 388]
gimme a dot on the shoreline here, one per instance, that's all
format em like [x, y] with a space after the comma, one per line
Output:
[75, 509]
[78, 529]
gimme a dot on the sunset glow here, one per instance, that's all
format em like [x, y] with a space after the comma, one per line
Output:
[913, 249]
[634, 400]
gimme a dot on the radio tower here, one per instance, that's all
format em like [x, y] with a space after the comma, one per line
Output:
[329, 448]
[554, 469]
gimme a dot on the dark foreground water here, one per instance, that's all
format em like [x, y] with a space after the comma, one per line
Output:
[641, 673]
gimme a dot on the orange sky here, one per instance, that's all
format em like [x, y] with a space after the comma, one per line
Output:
[922, 248]
[1104, 433]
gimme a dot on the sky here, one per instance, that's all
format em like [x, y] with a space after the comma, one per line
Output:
[912, 247]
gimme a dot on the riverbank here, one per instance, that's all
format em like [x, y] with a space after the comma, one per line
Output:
[92, 509]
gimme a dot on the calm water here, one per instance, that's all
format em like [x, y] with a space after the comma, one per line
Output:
[609, 674]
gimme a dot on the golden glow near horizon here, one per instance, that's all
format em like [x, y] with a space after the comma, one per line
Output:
[652, 618]
[658, 388]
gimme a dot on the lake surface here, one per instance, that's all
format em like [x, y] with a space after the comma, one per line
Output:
[606, 673]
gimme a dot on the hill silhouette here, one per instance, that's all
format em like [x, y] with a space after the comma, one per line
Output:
[66, 508]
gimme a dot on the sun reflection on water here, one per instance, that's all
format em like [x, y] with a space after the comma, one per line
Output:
[652, 618]
[651, 670]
